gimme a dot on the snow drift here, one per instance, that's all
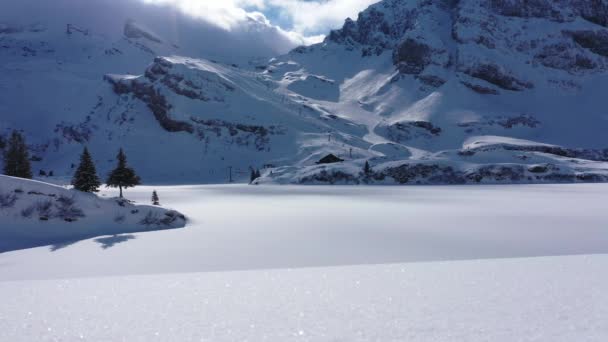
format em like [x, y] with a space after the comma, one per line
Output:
[35, 213]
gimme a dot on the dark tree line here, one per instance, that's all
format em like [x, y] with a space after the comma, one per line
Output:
[17, 164]
[86, 179]
[255, 174]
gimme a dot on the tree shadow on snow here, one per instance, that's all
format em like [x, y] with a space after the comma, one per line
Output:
[61, 245]
[110, 241]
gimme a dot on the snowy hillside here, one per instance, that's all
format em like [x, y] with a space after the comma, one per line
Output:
[425, 91]
[35, 213]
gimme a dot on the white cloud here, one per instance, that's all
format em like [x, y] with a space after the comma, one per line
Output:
[225, 13]
[308, 19]
[319, 16]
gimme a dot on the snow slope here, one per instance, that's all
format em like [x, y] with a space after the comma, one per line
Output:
[408, 86]
[38, 214]
[540, 299]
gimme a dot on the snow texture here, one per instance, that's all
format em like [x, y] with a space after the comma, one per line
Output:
[541, 299]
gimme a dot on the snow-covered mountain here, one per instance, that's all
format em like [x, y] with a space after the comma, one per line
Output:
[427, 91]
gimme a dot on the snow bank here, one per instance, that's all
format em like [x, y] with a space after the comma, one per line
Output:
[34, 213]
[540, 299]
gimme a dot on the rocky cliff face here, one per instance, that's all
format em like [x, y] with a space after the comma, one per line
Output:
[474, 38]
[442, 73]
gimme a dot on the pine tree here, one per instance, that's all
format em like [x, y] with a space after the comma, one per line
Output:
[255, 174]
[367, 170]
[16, 157]
[155, 199]
[122, 176]
[85, 178]
[252, 176]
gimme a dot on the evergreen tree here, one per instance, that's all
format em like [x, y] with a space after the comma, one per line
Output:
[252, 176]
[155, 199]
[255, 174]
[367, 170]
[85, 178]
[16, 157]
[122, 176]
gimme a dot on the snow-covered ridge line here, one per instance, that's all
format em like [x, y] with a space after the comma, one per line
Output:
[34, 213]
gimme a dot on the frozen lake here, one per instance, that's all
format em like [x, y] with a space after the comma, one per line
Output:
[239, 227]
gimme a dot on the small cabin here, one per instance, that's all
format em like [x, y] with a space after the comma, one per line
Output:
[330, 159]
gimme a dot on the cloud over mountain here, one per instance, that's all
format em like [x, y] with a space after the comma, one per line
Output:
[302, 21]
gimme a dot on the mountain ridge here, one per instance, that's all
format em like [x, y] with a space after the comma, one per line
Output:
[427, 91]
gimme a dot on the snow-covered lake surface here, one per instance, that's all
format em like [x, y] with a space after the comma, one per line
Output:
[328, 264]
[243, 227]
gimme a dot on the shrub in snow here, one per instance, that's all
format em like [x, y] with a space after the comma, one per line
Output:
[66, 209]
[7, 200]
[172, 216]
[150, 219]
[27, 212]
[44, 209]
[18, 191]
[154, 219]
[65, 200]
[122, 202]
[120, 218]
